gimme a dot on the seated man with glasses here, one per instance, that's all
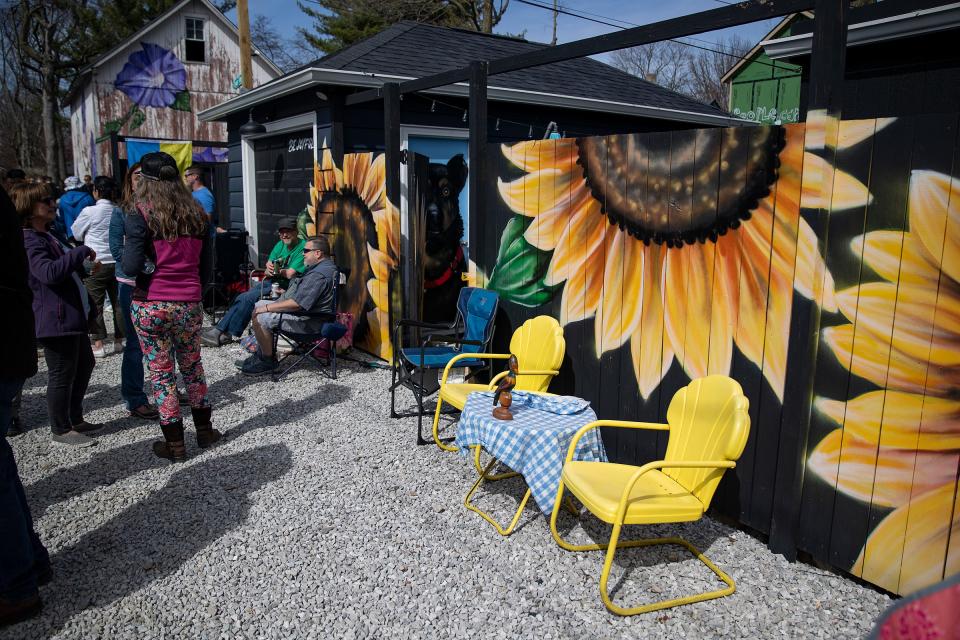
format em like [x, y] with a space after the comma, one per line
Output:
[284, 264]
[312, 292]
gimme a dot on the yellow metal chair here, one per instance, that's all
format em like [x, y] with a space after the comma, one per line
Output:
[708, 424]
[539, 347]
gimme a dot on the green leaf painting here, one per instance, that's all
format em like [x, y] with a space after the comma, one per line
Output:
[518, 273]
[182, 101]
[137, 118]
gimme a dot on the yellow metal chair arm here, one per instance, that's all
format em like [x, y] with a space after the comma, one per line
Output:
[659, 464]
[627, 424]
[533, 372]
[470, 356]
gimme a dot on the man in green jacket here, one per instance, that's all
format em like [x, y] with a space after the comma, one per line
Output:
[285, 262]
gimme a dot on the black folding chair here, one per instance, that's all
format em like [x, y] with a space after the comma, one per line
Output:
[470, 332]
[305, 344]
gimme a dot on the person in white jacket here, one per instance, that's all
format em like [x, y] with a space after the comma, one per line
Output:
[92, 228]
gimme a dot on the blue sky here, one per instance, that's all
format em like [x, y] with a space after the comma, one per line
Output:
[286, 16]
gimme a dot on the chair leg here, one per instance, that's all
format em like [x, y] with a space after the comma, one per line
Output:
[436, 428]
[489, 476]
[516, 517]
[615, 544]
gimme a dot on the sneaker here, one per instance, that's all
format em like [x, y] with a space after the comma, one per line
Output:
[100, 352]
[213, 337]
[87, 427]
[74, 439]
[240, 363]
[145, 412]
[13, 611]
[259, 366]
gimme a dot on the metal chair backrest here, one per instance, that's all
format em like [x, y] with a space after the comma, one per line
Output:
[538, 345]
[477, 309]
[708, 420]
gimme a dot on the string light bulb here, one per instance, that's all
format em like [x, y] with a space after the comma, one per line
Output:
[464, 116]
[433, 106]
[497, 127]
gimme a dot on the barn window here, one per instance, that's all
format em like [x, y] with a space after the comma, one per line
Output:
[194, 45]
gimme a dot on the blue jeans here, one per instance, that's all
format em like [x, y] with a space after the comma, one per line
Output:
[131, 369]
[238, 315]
[21, 553]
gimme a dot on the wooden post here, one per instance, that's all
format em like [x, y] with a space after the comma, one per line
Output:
[827, 66]
[115, 157]
[478, 145]
[246, 64]
[337, 143]
[391, 143]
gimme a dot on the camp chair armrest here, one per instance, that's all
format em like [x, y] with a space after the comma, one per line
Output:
[627, 424]
[660, 464]
[531, 372]
[406, 322]
[470, 356]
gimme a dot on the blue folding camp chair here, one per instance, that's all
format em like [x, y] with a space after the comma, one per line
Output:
[416, 367]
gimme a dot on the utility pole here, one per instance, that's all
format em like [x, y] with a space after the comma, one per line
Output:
[246, 64]
[553, 41]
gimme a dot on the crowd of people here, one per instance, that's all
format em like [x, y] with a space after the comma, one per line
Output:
[147, 246]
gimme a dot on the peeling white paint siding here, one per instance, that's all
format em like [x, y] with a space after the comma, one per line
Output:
[209, 83]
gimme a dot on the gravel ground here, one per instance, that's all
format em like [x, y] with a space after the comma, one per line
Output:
[319, 517]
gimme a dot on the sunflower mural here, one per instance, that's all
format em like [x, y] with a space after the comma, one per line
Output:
[898, 446]
[683, 245]
[350, 205]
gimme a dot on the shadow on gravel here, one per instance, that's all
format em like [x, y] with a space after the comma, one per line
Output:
[114, 464]
[152, 539]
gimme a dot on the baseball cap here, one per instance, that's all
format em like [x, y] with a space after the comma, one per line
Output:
[287, 223]
[159, 166]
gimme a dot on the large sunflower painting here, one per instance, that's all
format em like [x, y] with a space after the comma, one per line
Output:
[351, 206]
[681, 244]
[898, 446]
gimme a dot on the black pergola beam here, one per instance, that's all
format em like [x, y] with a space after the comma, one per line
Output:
[477, 110]
[720, 18]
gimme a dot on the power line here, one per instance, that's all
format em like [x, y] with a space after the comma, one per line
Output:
[532, 3]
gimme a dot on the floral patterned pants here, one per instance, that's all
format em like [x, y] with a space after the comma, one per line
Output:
[167, 328]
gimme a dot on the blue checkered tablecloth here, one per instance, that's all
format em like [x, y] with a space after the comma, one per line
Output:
[535, 442]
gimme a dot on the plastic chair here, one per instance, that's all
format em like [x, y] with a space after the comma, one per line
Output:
[708, 424]
[539, 346]
[468, 335]
[304, 344]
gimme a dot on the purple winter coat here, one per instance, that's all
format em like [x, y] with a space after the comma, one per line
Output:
[57, 306]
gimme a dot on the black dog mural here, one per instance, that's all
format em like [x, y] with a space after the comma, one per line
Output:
[443, 259]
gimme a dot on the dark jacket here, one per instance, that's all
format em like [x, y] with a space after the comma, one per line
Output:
[116, 242]
[57, 305]
[20, 345]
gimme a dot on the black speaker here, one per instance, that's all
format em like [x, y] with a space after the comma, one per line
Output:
[231, 256]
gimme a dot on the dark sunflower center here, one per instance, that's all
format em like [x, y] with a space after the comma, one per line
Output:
[684, 186]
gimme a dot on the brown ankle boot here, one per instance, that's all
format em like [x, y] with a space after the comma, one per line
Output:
[206, 434]
[172, 448]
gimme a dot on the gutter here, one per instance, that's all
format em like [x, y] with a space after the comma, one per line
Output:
[314, 76]
[914, 23]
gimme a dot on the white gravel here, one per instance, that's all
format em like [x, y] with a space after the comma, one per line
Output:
[319, 517]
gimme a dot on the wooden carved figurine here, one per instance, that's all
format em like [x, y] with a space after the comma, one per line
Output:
[502, 394]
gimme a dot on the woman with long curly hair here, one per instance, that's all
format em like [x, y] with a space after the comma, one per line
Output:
[168, 250]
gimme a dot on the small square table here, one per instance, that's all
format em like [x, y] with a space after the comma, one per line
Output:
[534, 444]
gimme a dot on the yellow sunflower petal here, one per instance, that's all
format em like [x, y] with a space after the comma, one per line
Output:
[906, 551]
[922, 323]
[581, 293]
[855, 131]
[649, 350]
[533, 155]
[726, 306]
[378, 292]
[879, 476]
[545, 230]
[897, 256]
[607, 325]
[776, 337]
[578, 238]
[373, 184]
[871, 359]
[935, 217]
[847, 192]
[688, 283]
[539, 191]
[752, 303]
[380, 263]
[898, 420]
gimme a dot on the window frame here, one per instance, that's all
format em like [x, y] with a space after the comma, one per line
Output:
[189, 28]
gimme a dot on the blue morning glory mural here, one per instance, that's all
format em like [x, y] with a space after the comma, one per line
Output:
[152, 77]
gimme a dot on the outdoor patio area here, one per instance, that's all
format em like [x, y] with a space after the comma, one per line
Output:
[317, 516]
